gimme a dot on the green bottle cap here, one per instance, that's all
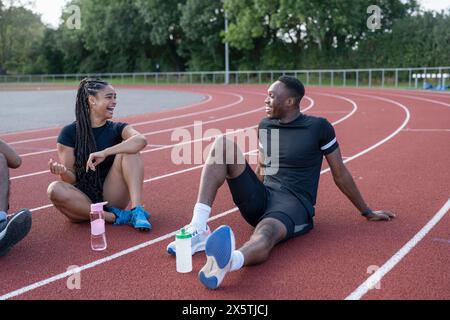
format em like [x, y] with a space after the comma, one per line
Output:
[183, 234]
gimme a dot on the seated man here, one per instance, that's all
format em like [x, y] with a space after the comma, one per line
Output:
[278, 200]
[15, 227]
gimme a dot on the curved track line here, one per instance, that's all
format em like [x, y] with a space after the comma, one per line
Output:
[420, 98]
[403, 125]
[398, 256]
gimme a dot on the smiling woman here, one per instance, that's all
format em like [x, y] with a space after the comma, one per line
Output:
[99, 161]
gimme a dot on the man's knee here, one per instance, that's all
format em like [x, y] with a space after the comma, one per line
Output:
[57, 191]
[226, 151]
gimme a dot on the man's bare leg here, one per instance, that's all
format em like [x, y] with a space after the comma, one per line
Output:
[225, 161]
[267, 234]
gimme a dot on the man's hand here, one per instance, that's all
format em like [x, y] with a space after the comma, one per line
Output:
[56, 168]
[379, 215]
[95, 159]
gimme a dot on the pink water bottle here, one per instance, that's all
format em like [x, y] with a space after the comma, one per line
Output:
[98, 236]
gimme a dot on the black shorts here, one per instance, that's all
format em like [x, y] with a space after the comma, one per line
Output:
[91, 195]
[257, 201]
[103, 175]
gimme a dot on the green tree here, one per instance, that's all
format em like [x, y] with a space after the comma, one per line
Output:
[162, 22]
[20, 30]
[202, 23]
[415, 41]
[314, 31]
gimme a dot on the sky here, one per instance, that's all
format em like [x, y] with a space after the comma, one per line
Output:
[51, 9]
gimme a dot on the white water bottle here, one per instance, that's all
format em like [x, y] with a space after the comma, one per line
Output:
[98, 236]
[183, 251]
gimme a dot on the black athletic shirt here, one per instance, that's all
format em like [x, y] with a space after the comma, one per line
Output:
[106, 136]
[302, 145]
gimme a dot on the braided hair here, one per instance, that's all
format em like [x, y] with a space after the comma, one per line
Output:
[88, 182]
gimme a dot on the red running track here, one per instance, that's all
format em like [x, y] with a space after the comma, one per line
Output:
[397, 147]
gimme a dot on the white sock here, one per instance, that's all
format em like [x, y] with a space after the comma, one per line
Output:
[3, 215]
[237, 260]
[201, 215]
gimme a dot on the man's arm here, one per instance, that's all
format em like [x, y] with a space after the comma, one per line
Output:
[346, 184]
[13, 159]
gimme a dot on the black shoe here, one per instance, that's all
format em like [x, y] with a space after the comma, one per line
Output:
[17, 227]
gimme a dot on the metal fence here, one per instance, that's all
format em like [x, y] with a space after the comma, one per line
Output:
[424, 77]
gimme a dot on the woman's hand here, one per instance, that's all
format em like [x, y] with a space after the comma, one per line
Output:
[95, 159]
[56, 167]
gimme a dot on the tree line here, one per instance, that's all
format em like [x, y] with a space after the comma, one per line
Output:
[188, 35]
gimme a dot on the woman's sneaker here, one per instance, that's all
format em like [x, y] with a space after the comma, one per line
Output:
[219, 252]
[122, 216]
[198, 239]
[139, 219]
[14, 229]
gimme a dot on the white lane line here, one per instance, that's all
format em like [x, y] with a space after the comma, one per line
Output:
[101, 261]
[419, 98]
[135, 248]
[42, 208]
[328, 112]
[157, 145]
[403, 125]
[29, 175]
[398, 256]
[28, 131]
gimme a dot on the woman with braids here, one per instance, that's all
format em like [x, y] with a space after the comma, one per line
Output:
[99, 161]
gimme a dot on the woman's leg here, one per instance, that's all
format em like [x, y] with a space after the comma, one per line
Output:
[73, 203]
[124, 181]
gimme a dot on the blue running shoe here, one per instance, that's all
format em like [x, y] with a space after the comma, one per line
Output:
[139, 219]
[17, 227]
[219, 251]
[122, 216]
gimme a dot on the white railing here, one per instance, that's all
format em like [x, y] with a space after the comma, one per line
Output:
[377, 77]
